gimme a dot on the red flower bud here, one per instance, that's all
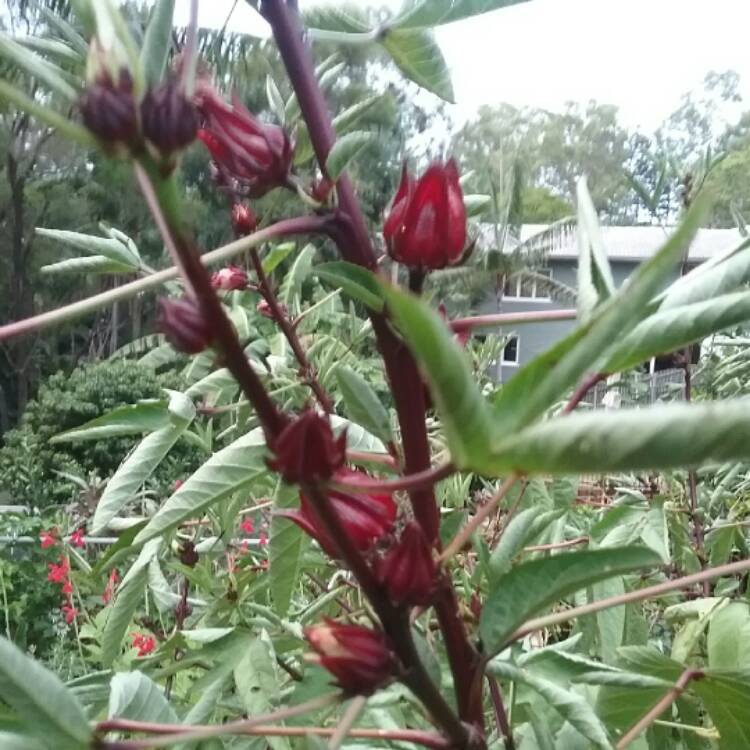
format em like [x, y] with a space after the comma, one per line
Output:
[321, 189]
[108, 108]
[359, 658]
[265, 309]
[256, 154]
[47, 538]
[168, 119]
[408, 569]
[244, 221]
[229, 279]
[188, 554]
[426, 226]
[181, 321]
[307, 451]
[365, 518]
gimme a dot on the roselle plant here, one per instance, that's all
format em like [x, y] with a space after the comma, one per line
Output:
[427, 627]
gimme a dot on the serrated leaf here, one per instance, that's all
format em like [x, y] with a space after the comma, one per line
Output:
[226, 472]
[357, 282]
[132, 419]
[362, 403]
[121, 613]
[421, 13]
[661, 437]
[157, 42]
[418, 56]
[286, 546]
[622, 678]
[135, 696]
[47, 709]
[109, 247]
[345, 149]
[89, 264]
[671, 329]
[511, 542]
[533, 586]
[462, 408]
[141, 463]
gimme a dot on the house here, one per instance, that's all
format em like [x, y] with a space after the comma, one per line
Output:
[626, 248]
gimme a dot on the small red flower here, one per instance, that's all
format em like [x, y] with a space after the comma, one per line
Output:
[69, 612]
[229, 279]
[265, 309]
[408, 569]
[76, 538]
[109, 588]
[143, 644]
[247, 525]
[244, 546]
[365, 518]
[426, 226]
[359, 658]
[67, 587]
[58, 573]
[47, 538]
[182, 322]
[255, 154]
[244, 221]
[262, 539]
[307, 451]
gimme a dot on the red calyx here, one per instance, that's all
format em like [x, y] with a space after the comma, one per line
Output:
[359, 658]
[108, 109]
[307, 451]
[182, 322]
[426, 226]
[169, 119]
[229, 279]
[408, 569]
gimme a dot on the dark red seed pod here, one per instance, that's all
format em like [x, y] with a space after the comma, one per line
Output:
[408, 569]
[108, 109]
[168, 119]
[182, 322]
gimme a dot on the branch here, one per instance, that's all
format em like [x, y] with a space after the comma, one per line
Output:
[501, 717]
[557, 545]
[503, 319]
[582, 389]
[285, 228]
[421, 479]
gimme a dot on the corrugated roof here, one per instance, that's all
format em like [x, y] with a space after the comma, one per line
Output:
[636, 243]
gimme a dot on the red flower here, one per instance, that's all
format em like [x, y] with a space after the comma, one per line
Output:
[76, 538]
[408, 569]
[69, 612]
[182, 322]
[262, 539]
[229, 279]
[365, 518]
[143, 644]
[109, 589]
[244, 221]
[168, 119]
[58, 573]
[255, 154]
[108, 108]
[47, 538]
[265, 309]
[67, 587]
[359, 658]
[307, 451]
[247, 525]
[426, 226]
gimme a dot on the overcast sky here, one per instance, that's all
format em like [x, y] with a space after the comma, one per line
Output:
[638, 54]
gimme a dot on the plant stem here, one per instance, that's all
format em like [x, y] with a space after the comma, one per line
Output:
[559, 545]
[285, 228]
[421, 479]
[632, 596]
[503, 319]
[582, 389]
[283, 322]
[352, 711]
[662, 705]
[503, 726]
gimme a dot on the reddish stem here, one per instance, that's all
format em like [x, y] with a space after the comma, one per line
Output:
[582, 389]
[501, 717]
[420, 480]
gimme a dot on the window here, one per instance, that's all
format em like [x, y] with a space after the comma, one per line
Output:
[523, 286]
[510, 352]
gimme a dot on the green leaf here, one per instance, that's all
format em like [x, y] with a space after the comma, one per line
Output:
[111, 248]
[347, 18]
[477, 204]
[362, 403]
[121, 613]
[452, 384]
[157, 42]
[658, 437]
[622, 678]
[88, 264]
[359, 283]
[292, 284]
[533, 586]
[13, 741]
[140, 464]
[226, 472]
[286, 546]
[537, 385]
[135, 696]
[726, 696]
[357, 437]
[276, 255]
[118, 551]
[37, 67]
[275, 100]
[676, 327]
[512, 541]
[595, 282]
[421, 13]
[46, 707]
[418, 56]
[345, 149]
[133, 419]
[729, 637]
[569, 704]
[347, 119]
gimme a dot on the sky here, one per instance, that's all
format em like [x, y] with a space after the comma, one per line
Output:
[640, 55]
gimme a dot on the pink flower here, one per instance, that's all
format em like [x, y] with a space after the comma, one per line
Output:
[177, 485]
[69, 612]
[76, 538]
[247, 525]
[262, 538]
[47, 538]
[143, 644]
[58, 573]
[67, 587]
[109, 589]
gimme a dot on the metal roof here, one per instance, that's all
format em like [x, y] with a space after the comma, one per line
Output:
[634, 243]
